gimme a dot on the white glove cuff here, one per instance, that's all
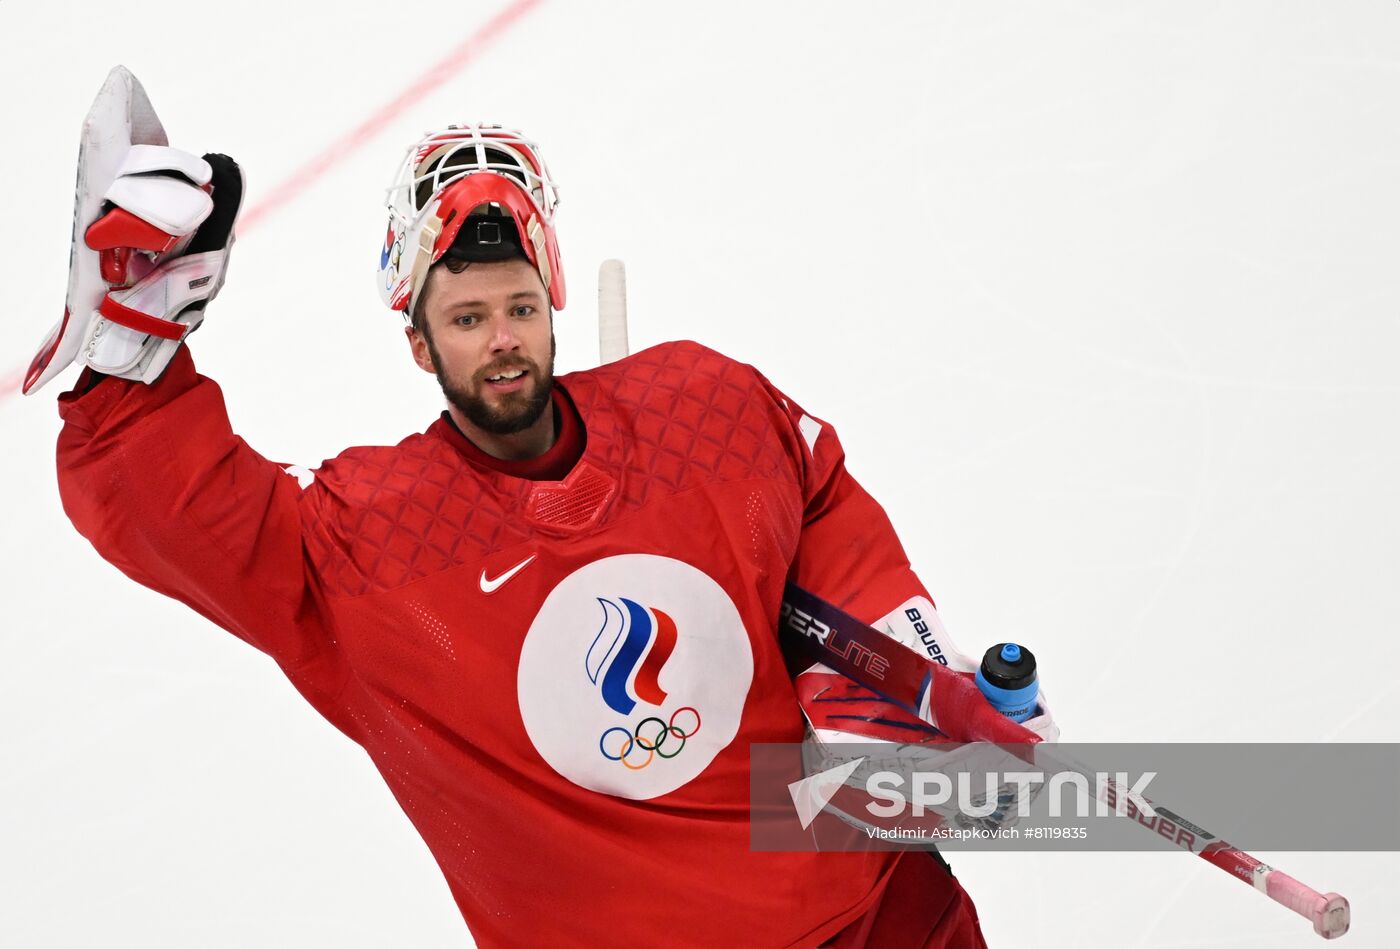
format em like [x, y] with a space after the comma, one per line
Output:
[171, 204]
[149, 159]
[915, 623]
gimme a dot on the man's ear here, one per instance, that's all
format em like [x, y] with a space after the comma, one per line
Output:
[418, 344]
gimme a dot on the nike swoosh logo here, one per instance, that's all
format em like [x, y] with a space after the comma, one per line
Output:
[492, 585]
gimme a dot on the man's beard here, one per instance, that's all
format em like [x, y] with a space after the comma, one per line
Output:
[515, 411]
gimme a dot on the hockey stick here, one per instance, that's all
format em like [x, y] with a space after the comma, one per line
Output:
[812, 630]
[612, 311]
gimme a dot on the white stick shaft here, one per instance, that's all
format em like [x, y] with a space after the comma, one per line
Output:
[1329, 913]
[612, 311]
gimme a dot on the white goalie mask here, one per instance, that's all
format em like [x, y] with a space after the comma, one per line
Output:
[477, 171]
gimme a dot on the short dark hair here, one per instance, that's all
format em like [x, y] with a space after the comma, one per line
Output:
[419, 316]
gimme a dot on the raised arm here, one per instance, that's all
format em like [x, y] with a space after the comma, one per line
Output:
[148, 467]
[156, 479]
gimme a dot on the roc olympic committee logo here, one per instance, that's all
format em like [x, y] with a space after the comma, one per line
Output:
[650, 740]
[614, 659]
[633, 675]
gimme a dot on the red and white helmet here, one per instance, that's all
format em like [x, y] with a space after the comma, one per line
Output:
[443, 179]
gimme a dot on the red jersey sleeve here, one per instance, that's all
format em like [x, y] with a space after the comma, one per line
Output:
[848, 553]
[154, 477]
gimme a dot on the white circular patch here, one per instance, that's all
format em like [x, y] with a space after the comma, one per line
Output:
[633, 675]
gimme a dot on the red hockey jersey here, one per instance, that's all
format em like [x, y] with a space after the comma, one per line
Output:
[559, 680]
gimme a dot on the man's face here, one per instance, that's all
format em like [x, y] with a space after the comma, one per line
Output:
[487, 336]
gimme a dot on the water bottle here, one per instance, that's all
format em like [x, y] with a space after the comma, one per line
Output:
[1007, 679]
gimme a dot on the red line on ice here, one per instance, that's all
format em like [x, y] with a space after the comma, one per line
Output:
[434, 76]
[317, 166]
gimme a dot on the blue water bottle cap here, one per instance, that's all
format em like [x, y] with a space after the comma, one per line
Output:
[1007, 677]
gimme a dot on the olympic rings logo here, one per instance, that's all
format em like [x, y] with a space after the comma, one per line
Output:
[653, 740]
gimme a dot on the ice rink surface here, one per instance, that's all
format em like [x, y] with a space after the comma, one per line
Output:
[1102, 299]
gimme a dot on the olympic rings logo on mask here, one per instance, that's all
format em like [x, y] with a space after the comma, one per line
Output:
[652, 735]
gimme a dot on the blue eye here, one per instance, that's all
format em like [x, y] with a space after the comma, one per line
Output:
[524, 309]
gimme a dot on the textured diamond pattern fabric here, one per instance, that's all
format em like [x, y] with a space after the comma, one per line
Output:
[375, 588]
[665, 420]
[574, 503]
[388, 516]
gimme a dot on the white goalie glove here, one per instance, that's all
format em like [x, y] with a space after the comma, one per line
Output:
[152, 230]
[168, 241]
[916, 624]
